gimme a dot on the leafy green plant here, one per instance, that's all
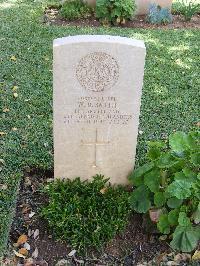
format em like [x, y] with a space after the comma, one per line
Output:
[176, 8]
[75, 9]
[115, 11]
[188, 9]
[85, 214]
[159, 15]
[169, 183]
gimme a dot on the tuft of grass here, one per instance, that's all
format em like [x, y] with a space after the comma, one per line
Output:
[186, 8]
[85, 214]
[170, 93]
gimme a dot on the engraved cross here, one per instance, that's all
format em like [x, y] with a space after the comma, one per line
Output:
[96, 143]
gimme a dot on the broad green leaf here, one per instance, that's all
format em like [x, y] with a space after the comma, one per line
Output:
[167, 161]
[153, 153]
[139, 199]
[173, 217]
[193, 140]
[190, 178]
[183, 220]
[179, 176]
[163, 224]
[195, 159]
[167, 194]
[180, 142]
[159, 199]
[136, 178]
[157, 144]
[152, 180]
[174, 203]
[185, 238]
[189, 173]
[181, 189]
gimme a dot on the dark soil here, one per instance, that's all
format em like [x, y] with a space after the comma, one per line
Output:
[129, 248]
[51, 16]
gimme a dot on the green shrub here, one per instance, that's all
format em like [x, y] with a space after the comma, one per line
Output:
[54, 4]
[158, 15]
[169, 184]
[85, 214]
[75, 9]
[187, 8]
[115, 11]
[176, 8]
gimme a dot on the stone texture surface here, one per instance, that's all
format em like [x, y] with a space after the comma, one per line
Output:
[97, 91]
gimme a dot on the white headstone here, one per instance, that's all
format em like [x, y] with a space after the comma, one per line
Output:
[97, 94]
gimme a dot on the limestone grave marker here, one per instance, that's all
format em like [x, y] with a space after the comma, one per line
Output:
[97, 94]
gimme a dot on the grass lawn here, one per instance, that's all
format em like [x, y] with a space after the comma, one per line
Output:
[170, 95]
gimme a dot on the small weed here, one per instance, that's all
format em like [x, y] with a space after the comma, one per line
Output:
[85, 214]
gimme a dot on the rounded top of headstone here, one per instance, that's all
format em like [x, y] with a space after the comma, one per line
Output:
[99, 39]
[97, 71]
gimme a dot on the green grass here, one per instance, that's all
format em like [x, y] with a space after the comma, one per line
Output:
[186, 8]
[177, 5]
[85, 207]
[170, 95]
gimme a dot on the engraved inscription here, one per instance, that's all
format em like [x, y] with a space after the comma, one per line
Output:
[96, 143]
[97, 72]
[97, 110]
